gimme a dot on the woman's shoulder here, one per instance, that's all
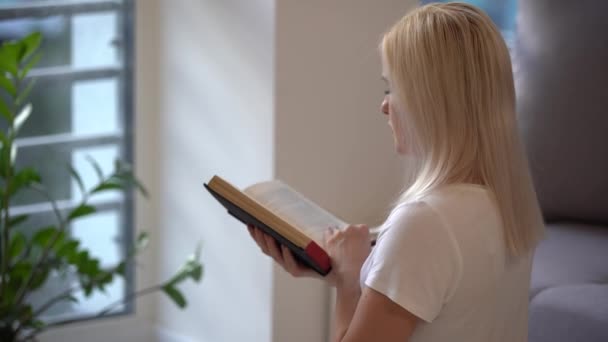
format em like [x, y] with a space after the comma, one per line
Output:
[408, 217]
[459, 198]
[436, 209]
[447, 197]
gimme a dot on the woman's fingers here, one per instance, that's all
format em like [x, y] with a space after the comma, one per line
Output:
[273, 249]
[266, 243]
[291, 265]
[281, 254]
[259, 238]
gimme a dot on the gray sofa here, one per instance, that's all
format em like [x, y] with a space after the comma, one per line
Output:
[561, 68]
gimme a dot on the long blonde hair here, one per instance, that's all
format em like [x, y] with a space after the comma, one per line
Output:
[451, 73]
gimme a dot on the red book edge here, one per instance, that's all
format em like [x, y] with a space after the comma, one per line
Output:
[317, 254]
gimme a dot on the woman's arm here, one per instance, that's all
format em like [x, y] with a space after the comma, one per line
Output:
[347, 298]
[360, 315]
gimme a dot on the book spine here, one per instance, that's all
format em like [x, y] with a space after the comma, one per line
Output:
[319, 256]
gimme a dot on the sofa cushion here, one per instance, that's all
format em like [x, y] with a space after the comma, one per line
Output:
[571, 254]
[570, 313]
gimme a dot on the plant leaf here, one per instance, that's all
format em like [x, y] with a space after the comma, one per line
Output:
[103, 280]
[13, 155]
[197, 273]
[20, 271]
[9, 54]
[108, 185]
[28, 175]
[96, 167]
[5, 111]
[143, 239]
[15, 220]
[29, 65]
[3, 140]
[23, 178]
[120, 269]
[72, 299]
[38, 324]
[82, 259]
[25, 93]
[89, 266]
[40, 277]
[192, 268]
[7, 85]
[121, 166]
[45, 236]
[22, 117]
[87, 288]
[106, 278]
[5, 165]
[175, 295]
[81, 210]
[183, 273]
[142, 189]
[69, 250]
[30, 44]
[25, 313]
[17, 245]
[126, 176]
[78, 179]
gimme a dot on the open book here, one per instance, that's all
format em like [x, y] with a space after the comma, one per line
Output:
[280, 211]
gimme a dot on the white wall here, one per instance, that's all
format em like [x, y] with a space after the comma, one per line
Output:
[216, 116]
[332, 142]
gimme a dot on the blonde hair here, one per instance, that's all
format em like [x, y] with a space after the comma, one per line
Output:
[451, 74]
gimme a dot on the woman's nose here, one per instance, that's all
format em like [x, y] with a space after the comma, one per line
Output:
[384, 106]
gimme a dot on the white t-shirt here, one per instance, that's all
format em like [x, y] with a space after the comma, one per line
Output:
[443, 259]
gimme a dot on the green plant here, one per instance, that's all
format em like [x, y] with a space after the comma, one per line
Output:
[31, 256]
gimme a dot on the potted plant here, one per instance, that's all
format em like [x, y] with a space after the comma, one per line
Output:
[29, 260]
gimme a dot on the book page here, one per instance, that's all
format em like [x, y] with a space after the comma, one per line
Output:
[294, 208]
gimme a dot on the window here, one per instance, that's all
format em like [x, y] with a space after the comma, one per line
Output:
[83, 106]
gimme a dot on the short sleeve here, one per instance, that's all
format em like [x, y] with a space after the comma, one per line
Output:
[416, 261]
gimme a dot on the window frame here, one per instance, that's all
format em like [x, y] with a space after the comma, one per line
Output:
[123, 71]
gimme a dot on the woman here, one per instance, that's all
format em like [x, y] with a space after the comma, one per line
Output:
[453, 260]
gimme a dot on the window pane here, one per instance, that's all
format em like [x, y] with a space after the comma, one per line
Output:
[52, 162]
[79, 108]
[51, 114]
[94, 107]
[92, 40]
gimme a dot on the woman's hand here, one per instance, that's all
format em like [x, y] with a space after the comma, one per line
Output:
[348, 248]
[282, 255]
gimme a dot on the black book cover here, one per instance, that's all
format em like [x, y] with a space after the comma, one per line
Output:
[246, 218]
